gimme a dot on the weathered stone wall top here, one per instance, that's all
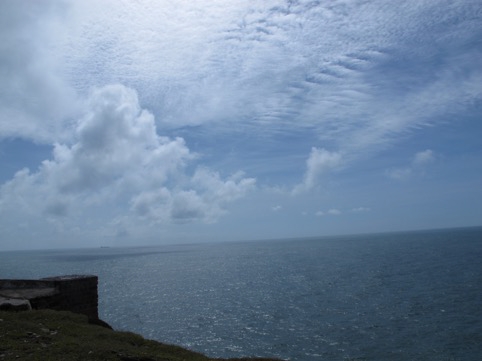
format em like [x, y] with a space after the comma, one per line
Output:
[75, 293]
[46, 282]
[6, 284]
[67, 277]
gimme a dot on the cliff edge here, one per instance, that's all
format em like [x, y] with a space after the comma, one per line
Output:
[48, 335]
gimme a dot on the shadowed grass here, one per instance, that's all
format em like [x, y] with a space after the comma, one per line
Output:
[48, 335]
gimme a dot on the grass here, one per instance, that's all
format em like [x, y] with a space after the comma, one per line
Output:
[48, 335]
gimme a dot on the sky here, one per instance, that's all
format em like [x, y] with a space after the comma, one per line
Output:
[126, 123]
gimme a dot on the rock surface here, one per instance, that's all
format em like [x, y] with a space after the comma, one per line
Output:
[14, 304]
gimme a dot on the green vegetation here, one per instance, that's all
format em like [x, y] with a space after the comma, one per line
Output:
[48, 335]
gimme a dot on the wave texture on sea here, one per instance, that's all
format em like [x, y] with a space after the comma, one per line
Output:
[399, 296]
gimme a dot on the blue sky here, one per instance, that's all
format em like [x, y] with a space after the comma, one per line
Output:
[132, 123]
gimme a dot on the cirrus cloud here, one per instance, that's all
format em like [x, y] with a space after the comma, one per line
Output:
[290, 92]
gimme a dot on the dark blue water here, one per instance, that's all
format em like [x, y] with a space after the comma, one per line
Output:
[403, 296]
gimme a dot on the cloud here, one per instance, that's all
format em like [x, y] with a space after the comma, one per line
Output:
[204, 199]
[276, 208]
[417, 166]
[118, 164]
[422, 158]
[330, 212]
[368, 79]
[35, 101]
[399, 173]
[334, 212]
[360, 209]
[351, 79]
[319, 162]
[218, 190]
[115, 144]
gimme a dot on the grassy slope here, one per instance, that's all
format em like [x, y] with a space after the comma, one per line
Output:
[50, 336]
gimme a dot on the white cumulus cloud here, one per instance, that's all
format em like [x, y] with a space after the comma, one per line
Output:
[419, 162]
[203, 197]
[116, 158]
[318, 163]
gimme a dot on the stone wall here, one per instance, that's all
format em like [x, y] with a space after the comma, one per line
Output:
[67, 293]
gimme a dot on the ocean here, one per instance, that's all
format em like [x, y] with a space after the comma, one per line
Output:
[393, 296]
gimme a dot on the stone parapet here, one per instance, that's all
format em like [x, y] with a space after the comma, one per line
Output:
[75, 293]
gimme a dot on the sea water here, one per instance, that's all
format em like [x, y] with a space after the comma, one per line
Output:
[398, 296]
